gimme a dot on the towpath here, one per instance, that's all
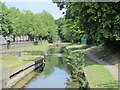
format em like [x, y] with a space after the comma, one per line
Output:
[111, 68]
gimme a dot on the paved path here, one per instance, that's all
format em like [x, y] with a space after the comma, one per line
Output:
[111, 68]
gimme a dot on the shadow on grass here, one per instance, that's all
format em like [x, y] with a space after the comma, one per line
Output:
[34, 52]
[89, 61]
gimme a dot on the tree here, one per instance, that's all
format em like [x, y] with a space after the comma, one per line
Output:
[100, 21]
[60, 24]
[19, 23]
[6, 24]
[51, 27]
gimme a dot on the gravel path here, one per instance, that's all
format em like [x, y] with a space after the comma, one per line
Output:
[111, 68]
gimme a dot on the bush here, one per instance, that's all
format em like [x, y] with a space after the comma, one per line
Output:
[76, 61]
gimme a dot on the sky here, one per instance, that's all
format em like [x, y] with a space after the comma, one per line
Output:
[36, 6]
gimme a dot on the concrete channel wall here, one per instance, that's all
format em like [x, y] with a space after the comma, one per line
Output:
[8, 79]
[16, 45]
[19, 44]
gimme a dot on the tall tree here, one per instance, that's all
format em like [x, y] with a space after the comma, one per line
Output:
[51, 27]
[19, 23]
[100, 21]
[6, 24]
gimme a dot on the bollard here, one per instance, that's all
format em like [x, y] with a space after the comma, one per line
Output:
[4, 77]
[8, 44]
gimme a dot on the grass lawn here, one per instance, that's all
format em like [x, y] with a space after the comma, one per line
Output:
[98, 76]
[29, 54]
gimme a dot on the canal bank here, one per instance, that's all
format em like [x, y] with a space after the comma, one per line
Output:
[12, 78]
[57, 73]
[9, 79]
[50, 66]
[95, 73]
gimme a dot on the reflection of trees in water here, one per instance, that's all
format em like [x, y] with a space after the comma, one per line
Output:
[53, 62]
[50, 65]
[62, 64]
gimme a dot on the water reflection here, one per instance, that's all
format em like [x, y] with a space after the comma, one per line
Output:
[56, 80]
[55, 74]
[58, 54]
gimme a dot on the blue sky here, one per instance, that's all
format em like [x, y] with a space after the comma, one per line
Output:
[36, 6]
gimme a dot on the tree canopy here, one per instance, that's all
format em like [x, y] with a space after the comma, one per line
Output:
[19, 23]
[99, 21]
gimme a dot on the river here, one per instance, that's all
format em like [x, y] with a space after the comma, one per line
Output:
[56, 73]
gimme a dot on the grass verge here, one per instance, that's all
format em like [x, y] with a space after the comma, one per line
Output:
[96, 74]
[29, 54]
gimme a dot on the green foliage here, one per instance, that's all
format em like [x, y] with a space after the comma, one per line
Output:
[63, 33]
[91, 69]
[76, 62]
[100, 21]
[68, 31]
[6, 20]
[36, 26]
